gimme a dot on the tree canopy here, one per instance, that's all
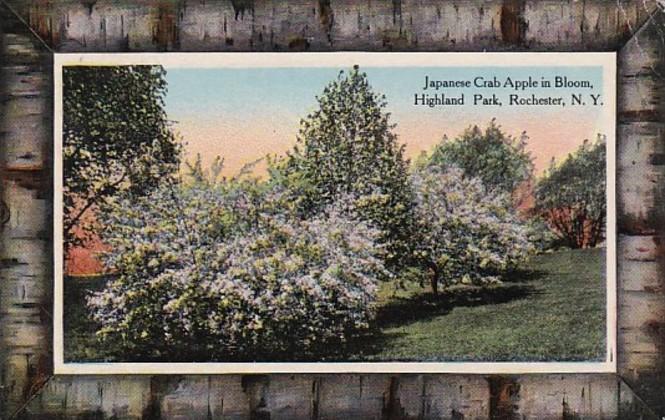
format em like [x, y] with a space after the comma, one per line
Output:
[570, 196]
[116, 138]
[347, 147]
[467, 234]
[499, 160]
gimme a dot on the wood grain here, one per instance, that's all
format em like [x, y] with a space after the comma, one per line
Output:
[25, 249]
[641, 212]
[319, 25]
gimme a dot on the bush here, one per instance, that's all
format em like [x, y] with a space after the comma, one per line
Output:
[540, 235]
[213, 272]
[468, 234]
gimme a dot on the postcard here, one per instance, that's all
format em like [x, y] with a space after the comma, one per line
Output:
[335, 212]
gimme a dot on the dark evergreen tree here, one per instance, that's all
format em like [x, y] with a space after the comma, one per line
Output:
[347, 147]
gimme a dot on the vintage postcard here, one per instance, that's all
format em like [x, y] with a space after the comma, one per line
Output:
[335, 212]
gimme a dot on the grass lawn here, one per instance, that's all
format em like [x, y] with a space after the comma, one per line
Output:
[554, 310]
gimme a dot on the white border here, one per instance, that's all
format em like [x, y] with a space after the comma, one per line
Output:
[364, 59]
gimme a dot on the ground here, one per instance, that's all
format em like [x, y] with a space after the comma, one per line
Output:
[552, 310]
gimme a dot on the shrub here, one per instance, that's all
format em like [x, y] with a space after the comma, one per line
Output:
[468, 234]
[540, 234]
[217, 272]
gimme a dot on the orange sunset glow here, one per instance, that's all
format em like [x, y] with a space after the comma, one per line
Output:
[241, 144]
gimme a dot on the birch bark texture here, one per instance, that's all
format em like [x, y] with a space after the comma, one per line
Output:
[30, 31]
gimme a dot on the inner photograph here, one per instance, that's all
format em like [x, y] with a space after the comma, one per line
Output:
[354, 208]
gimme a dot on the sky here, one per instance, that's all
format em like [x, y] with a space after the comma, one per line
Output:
[242, 114]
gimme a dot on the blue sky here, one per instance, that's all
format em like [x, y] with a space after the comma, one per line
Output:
[244, 113]
[247, 90]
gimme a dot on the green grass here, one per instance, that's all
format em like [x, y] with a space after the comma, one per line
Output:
[553, 310]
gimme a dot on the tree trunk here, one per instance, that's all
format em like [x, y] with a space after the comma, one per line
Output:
[434, 280]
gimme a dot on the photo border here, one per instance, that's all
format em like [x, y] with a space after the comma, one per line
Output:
[325, 59]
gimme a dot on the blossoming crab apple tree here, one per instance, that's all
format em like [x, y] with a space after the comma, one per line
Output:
[467, 233]
[222, 272]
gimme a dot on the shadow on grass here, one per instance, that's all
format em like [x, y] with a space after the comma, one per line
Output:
[81, 344]
[402, 311]
[523, 276]
[426, 306]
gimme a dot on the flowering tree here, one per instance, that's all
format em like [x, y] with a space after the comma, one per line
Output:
[468, 234]
[219, 271]
[570, 197]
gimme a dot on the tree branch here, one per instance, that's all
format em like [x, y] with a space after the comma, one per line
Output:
[93, 200]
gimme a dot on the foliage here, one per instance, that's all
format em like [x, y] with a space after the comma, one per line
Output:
[526, 318]
[221, 271]
[283, 268]
[540, 235]
[116, 139]
[570, 197]
[499, 160]
[347, 148]
[467, 233]
[198, 174]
